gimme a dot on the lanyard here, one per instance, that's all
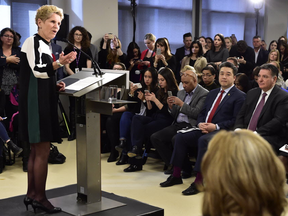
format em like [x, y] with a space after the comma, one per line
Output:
[77, 59]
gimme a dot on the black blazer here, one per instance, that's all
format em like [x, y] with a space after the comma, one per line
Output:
[272, 121]
[262, 57]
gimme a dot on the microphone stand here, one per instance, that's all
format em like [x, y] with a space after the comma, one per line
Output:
[94, 64]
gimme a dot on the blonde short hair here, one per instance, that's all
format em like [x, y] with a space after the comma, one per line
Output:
[242, 175]
[45, 12]
[150, 37]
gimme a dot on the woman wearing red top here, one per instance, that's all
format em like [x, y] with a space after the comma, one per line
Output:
[148, 54]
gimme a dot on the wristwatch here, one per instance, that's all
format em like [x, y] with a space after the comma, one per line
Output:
[58, 63]
[117, 47]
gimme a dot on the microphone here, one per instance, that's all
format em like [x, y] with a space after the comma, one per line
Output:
[94, 64]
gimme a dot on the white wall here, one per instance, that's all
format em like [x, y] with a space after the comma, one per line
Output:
[275, 21]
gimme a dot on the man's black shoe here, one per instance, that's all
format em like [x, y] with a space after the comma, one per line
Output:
[171, 181]
[191, 190]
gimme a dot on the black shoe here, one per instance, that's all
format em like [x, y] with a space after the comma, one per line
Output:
[38, 205]
[72, 135]
[133, 168]
[25, 166]
[169, 170]
[171, 181]
[123, 159]
[121, 146]
[113, 157]
[191, 190]
[15, 149]
[27, 201]
[134, 152]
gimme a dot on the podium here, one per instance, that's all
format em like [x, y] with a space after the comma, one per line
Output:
[89, 106]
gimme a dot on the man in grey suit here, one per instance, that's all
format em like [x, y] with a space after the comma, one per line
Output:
[185, 109]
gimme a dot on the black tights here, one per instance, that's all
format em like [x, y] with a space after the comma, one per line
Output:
[37, 172]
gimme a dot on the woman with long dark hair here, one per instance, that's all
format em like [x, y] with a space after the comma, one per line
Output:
[195, 58]
[163, 57]
[142, 127]
[219, 53]
[149, 82]
[132, 62]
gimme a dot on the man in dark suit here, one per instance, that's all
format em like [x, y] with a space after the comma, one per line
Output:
[219, 112]
[57, 50]
[272, 117]
[245, 56]
[184, 109]
[261, 55]
[182, 52]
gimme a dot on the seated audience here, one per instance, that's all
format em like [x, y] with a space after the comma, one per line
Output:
[5, 138]
[149, 82]
[184, 50]
[283, 48]
[256, 188]
[195, 58]
[242, 82]
[261, 55]
[219, 112]
[111, 52]
[282, 38]
[254, 82]
[209, 44]
[119, 66]
[148, 54]
[132, 62]
[273, 45]
[186, 68]
[245, 56]
[202, 40]
[184, 109]
[280, 81]
[143, 127]
[93, 48]
[208, 78]
[163, 57]
[263, 108]
[218, 53]
[234, 61]
[263, 45]
[228, 43]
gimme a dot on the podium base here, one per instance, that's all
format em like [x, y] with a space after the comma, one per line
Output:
[70, 205]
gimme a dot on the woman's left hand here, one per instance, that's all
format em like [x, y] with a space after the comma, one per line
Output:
[67, 59]
[61, 86]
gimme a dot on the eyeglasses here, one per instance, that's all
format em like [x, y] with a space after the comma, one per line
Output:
[8, 36]
[206, 75]
[78, 35]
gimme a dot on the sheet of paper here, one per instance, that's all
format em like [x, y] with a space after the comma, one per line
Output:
[83, 83]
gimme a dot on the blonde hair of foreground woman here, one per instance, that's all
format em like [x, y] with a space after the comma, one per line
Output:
[242, 176]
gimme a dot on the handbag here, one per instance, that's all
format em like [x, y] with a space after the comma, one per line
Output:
[55, 157]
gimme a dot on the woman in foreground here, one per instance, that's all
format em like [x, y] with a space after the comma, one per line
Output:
[242, 176]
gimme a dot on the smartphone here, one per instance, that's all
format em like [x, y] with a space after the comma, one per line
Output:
[4, 118]
[158, 51]
[138, 85]
[169, 93]
[146, 91]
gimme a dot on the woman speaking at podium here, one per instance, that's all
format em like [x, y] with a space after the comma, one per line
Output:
[38, 102]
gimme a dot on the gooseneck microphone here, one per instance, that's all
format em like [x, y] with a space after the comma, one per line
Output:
[94, 64]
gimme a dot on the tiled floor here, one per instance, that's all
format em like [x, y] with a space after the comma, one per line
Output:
[142, 186]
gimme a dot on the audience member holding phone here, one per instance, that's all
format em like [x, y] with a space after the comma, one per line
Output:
[143, 127]
[132, 61]
[163, 57]
[149, 82]
[111, 52]
[148, 54]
